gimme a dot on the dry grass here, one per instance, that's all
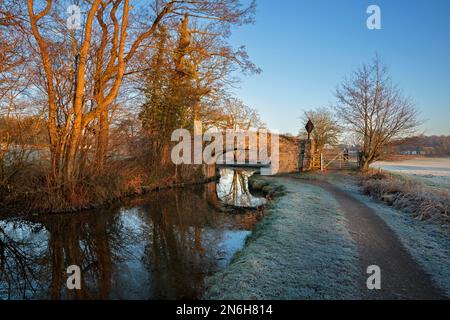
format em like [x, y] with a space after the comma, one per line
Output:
[27, 189]
[408, 195]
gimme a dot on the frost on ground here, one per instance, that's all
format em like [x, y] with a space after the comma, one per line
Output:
[427, 242]
[434, 172]
[302, 250]
[407, 195]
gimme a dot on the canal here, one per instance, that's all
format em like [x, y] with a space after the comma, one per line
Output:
[160, 246]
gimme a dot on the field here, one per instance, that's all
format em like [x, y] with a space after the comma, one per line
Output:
[434, 172]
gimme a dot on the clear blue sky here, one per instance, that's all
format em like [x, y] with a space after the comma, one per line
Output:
[307, 47]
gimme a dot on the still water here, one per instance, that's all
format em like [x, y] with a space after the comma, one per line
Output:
[161, 246]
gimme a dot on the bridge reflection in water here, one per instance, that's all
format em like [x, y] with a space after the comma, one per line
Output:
[233, 189]
[161, 246]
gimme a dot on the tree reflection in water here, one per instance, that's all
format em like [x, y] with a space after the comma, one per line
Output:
[158, 247]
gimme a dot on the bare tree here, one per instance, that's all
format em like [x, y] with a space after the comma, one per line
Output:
[234, 114]
[375, 110]
[326, 127]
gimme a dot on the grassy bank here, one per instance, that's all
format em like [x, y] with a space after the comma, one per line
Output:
[408, 195]
[264, 187]
[301, 250]
[29, 191]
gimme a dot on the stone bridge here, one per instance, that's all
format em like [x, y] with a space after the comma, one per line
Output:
[290, 156]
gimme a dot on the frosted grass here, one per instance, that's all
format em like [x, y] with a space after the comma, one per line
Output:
[302, 250]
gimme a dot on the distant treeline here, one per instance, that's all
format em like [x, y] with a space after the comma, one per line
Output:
[424, 145]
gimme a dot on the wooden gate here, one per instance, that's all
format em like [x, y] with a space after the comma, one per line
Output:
[316, 161]
[331, 160]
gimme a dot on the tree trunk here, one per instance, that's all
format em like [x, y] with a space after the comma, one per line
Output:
[364, 165]
[102, 140]
[70, 163]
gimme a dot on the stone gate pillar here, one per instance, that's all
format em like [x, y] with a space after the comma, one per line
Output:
[307, 151]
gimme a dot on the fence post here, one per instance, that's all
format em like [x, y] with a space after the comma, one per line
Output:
[321, 161]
